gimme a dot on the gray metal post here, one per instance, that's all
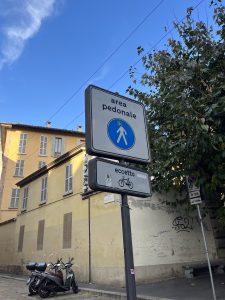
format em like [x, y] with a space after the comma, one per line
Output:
[128, 249]
[207, 253]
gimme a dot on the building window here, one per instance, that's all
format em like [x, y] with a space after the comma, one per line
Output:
[68, 180]
[40, 235]
[25, 198]
[58, 146]
[41, 164]
[23, 143]
[21, 236]
[14, 198]
[43, 145]
[44, 185]
[19, 168]
[67, 230]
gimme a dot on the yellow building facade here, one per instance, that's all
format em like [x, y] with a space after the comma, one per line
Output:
[24, 149]
[56, 220]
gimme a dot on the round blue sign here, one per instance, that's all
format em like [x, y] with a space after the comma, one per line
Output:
[121, 134]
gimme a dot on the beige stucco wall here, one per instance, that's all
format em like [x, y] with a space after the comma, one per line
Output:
[0, 156]
[7, 247]
[52, 212]
[166, 238]
[107, 264]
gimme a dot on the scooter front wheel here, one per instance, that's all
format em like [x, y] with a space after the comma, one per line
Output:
[74, 287]
[32, 288]
[42, 292]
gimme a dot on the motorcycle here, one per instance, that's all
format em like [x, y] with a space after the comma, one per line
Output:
[37, 269]
[52, 284]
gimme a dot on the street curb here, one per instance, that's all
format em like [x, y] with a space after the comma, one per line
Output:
[117, 295]
[113, 295]
[13, 277]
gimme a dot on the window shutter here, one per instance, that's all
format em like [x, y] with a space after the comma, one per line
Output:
[22, 143]
[66, 179]
[14, 198]
[63, 146]
[17, 198]
[40, 235]
[43, 145]
[25, 197]
[70, 178]
[21, 167]
[67, 230]
[53, 147]
[21, 236]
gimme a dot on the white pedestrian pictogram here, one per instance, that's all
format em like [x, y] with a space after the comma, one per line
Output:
[108, 180]
[122, 132]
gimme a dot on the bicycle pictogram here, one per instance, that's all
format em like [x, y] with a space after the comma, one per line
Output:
[125, 182]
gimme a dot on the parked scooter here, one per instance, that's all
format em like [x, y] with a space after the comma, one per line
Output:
[37, 269]
[52, 284]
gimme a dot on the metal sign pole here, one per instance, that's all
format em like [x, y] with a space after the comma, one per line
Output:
[128, 250]
[207, 253]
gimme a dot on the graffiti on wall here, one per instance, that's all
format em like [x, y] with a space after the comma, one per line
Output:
[183, 224]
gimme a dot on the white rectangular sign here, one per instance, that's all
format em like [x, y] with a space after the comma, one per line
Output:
[194, 194]
[112, 177]
[115, 126]
[195, 201]
[109, 199]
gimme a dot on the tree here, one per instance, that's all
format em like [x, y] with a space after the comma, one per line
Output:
[183, 88]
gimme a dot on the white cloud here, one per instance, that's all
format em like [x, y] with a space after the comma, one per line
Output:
[22, 23]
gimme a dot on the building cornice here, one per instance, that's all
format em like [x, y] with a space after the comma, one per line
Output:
[42, 129]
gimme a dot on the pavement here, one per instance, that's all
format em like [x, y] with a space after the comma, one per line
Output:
[11, 289]
[198, 288]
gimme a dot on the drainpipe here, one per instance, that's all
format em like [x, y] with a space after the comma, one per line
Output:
[89, 239]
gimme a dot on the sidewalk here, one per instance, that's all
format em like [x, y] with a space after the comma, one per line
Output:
[198, 288]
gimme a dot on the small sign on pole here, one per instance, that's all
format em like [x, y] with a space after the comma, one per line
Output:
[195, 199]
[193, 190]
[108, 176]
[194, 194]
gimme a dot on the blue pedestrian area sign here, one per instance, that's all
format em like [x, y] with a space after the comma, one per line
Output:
[121, 134]
[115, 126]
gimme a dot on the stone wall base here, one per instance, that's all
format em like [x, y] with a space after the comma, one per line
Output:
[14, 269]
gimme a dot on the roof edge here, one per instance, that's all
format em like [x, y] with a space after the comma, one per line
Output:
[42, 128]
[8, 221]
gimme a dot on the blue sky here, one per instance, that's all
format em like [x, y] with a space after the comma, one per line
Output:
[50, 48]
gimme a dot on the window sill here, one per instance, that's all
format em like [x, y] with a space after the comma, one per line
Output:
[57, 155]
[21, 153]
[42, 203]
[20, 176]
[43, 155]
[68, 193]
[11, 208]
